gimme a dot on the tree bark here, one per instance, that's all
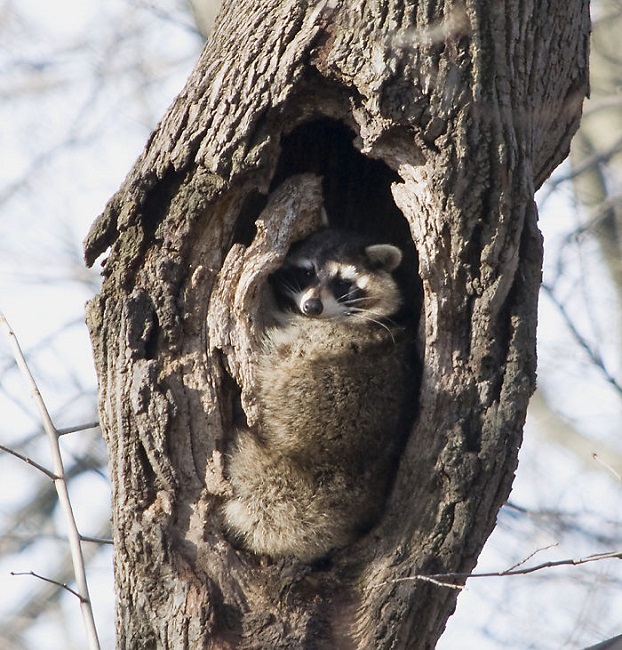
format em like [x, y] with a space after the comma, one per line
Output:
[425, 124]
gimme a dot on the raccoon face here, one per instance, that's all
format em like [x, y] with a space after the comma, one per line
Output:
[334, 275]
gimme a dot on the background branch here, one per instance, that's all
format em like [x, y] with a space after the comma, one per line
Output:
[61, 488]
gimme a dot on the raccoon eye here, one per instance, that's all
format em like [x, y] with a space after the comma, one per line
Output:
[304, 275]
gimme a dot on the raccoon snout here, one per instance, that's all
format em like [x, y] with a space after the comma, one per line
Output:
[312, 307]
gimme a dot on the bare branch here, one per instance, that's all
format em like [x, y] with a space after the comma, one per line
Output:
[439, 578]
[78, 427]
[601, 157]
[594, 356]
[608, 467]
[422, 578]
[96, 540]
[50, 580]
[61, 488]
[30, 462]
[530, 556]
[596, 557]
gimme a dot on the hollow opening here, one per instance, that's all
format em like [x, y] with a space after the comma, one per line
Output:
[357, 192]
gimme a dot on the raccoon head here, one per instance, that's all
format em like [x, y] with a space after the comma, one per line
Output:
[334, 274]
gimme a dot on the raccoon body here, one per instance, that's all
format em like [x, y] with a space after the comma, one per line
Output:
[335, 389]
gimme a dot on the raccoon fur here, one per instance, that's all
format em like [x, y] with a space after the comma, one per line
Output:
[336, 385]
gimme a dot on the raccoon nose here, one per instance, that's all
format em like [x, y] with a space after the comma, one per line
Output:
[312, 307]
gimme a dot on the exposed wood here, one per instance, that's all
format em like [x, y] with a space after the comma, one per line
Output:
[458, 113]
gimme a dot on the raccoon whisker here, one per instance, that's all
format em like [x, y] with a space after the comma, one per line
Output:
[289, 287]
[360, 310]
[383, 325]
[378, 314]
[365, 313]
[346, 298]
[351, 302]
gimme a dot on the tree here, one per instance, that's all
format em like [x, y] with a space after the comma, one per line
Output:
[431, 126]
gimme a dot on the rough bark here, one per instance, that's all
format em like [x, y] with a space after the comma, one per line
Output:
[431, 125]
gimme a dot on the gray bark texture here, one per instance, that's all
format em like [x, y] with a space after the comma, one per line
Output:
[424, 123]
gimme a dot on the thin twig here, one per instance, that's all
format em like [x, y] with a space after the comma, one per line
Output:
[22, 538]
[530, 556]
[61, 489]
[608, 467]
[441, 578]
[29, 461]
[52, 582]
[537, 567]
[421, 578]
[580, 339]
[78, 427]
[96, 540]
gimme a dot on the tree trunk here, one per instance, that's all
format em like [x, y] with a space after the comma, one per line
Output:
[420, 123]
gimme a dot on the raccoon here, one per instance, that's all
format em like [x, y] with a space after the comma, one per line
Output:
[336, 385]
[334, 274]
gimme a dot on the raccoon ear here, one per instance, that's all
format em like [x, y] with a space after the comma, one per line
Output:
[384, 256]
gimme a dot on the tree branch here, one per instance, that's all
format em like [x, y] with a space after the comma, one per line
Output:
[29, 461]
[606, 465]
[50, 580]
[96, 540]
[593, 355]
[439, 578]
[78, 427]
[61, 488]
